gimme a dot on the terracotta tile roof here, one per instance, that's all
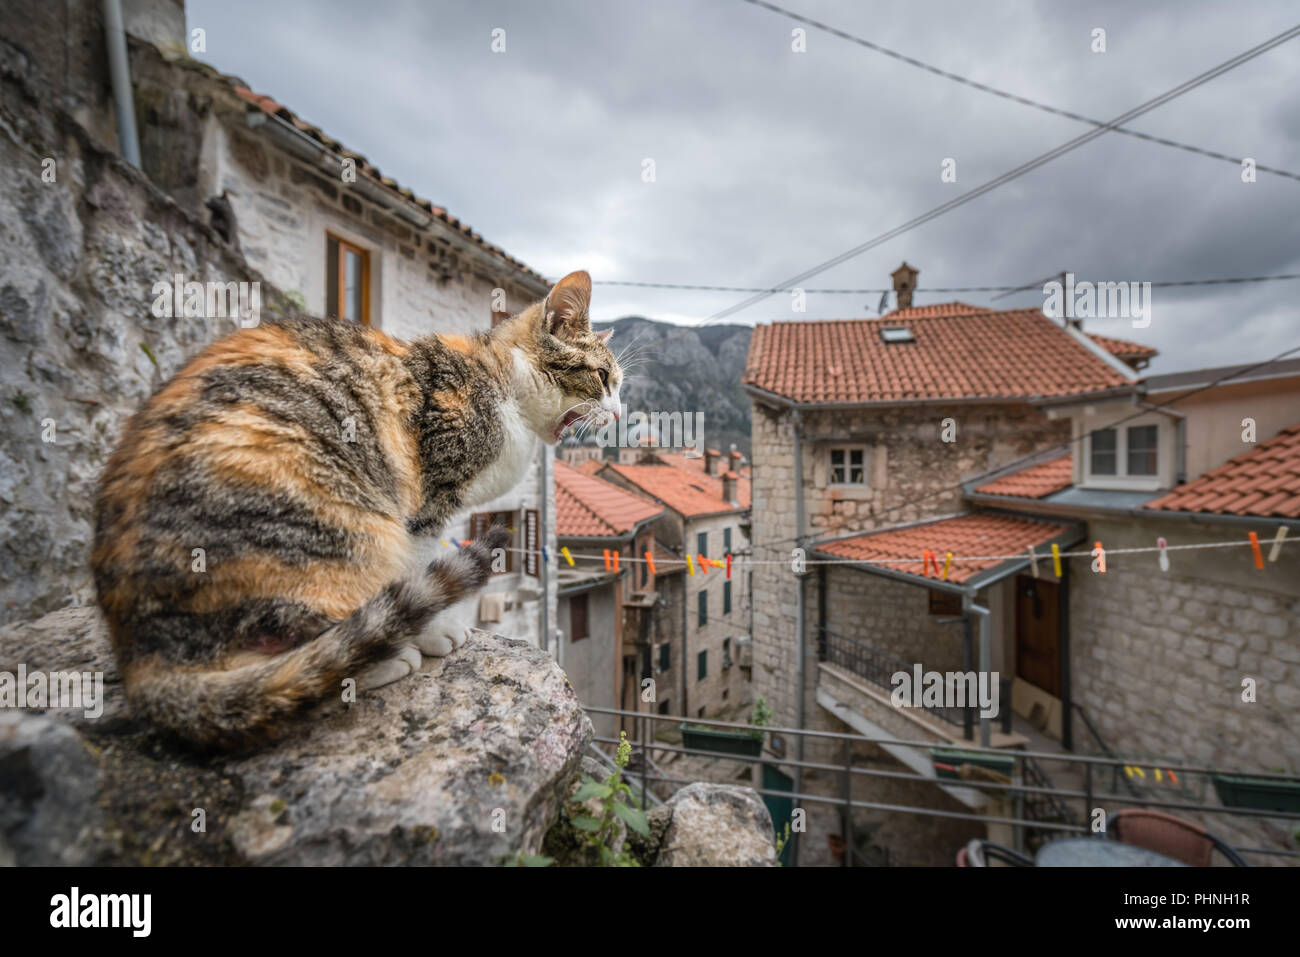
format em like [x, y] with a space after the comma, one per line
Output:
[590, 507]
[1035, 481]
[591, 466]
[1264, 482]
[268, 105]
[936, 309]
[962, 353]
[1122, 348]
[964, 535]
[683, 490]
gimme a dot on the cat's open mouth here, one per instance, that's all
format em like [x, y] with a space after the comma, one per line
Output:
[571, 417]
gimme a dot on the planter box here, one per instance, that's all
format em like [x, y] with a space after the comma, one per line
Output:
[953, 758]
[722, 740]
[1262, 794]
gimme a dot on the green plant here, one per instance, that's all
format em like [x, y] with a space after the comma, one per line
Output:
[616, 804]
[527, 860]
[761, 716]
[782, 840]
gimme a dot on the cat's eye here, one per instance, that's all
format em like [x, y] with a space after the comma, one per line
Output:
[604, 377]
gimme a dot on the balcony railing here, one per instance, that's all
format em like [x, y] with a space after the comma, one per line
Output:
[878, 667]
[1037, 807]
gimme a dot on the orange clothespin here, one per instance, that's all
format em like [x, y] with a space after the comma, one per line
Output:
[704, 564]
[728, 566]
[1099, 553]
[650, 561]
[606, 553]
[690, 565]
[929, 560]
[615, 554]
[1254, 547]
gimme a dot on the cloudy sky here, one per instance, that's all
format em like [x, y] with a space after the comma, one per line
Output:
[768, 162]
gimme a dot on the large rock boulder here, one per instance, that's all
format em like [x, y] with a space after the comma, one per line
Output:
[465, 762]
[714, 825]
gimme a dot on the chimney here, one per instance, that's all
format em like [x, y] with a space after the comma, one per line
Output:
[904, 283]
[711, 457]
[729, 488]
[736, 458]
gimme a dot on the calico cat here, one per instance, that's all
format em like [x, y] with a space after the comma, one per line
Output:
[306, 458]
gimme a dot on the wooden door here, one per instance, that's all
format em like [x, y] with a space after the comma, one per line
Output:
[1038, 636]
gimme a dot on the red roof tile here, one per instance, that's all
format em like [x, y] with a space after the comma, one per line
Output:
[1263, 482]
[591, 466]
[1035, 481]
[964, 535]
[960, 353]
[590, 507]
[682, 489]
[1122, 348]
[268, 105]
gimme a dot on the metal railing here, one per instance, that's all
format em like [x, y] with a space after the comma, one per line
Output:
[878, 667]
[1026, 795]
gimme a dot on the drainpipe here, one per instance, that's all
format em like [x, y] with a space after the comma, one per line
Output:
[119, 71]
[800, 638]
[986, 661]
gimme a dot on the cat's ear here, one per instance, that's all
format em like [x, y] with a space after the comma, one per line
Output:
[566, 306]
[604, 334]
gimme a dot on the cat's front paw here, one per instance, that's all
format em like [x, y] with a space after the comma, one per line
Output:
[442, 636]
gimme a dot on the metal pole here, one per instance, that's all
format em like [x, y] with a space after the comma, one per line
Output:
[846, 828]
[799, 623]
[119, 71]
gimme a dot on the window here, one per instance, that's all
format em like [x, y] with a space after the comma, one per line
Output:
[726, 541]
[578, 618]
[702, 543]
[665, 656]
[347, 281]
[890, 334]
[726, 653]
[726, 598]
[848, 467]
[1103, 453]
[481, 522]
[701, 666]
[1142, 442]
[663, 706]
[704, 609]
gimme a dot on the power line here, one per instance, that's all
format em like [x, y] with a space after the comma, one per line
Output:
[1020, 170]
[698, 287]
[1014, 97]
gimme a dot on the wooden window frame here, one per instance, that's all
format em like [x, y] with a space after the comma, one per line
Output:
[340, 291]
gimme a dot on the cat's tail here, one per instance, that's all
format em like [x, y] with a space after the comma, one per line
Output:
[249, 702]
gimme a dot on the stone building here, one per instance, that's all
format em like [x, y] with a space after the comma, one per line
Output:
[702, 658]
[876, 441]
[236, 188]
[607, 605]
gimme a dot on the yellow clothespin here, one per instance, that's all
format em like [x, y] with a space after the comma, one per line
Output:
[690, 564]
[946, 563]
[1056, 560]
[565, 552]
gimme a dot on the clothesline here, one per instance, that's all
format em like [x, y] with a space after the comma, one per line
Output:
[929, 559]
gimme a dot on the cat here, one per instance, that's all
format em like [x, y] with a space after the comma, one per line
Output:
[306, 458]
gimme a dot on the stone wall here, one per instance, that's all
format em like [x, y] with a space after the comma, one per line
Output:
[80, 349]
[1158, 658]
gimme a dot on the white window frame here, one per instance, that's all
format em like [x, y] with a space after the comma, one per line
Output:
[1121, 480]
